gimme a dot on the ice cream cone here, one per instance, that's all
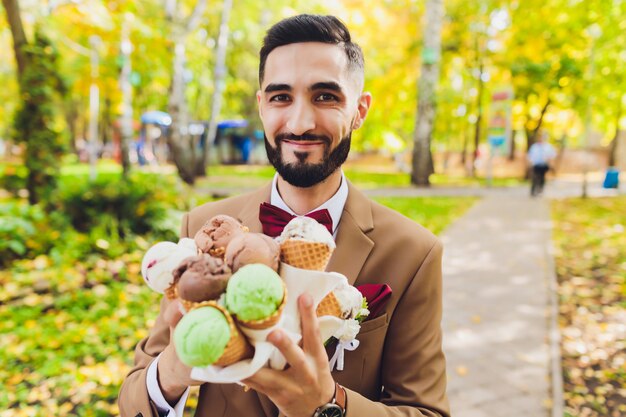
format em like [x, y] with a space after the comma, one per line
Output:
[170, 292]
[217, 252]
[329, 306]
[238, 347]
[305, 255]
[270, 321]
[187, 305]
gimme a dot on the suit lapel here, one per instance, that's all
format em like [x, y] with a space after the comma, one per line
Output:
[353, 244]
[249, 214]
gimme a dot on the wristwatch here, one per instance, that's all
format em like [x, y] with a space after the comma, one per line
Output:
[336, 407]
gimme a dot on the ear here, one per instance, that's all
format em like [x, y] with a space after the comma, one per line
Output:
[258, 102]
[363, 106]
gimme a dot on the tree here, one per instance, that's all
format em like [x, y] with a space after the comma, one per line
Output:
[36, 119]
[219, 81]
[427, 85]
[181, 143]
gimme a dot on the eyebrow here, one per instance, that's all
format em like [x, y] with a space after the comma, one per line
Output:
[326, 85]
[277, 87]
[329, 85]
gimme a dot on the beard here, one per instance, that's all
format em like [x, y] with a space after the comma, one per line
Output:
[302, 174]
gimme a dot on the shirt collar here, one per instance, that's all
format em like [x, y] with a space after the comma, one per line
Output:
[334, 205]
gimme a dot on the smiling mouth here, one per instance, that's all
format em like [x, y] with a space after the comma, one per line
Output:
[304, 143]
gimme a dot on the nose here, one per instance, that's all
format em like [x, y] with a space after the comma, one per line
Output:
[301, 118]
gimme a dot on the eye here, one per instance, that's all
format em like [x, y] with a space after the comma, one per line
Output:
[279, 97]
[326, 97]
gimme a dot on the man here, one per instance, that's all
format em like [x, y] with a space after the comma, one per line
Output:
[310, 100]
[540, 156]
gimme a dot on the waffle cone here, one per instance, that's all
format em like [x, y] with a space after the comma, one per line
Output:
[270, 321]
[238, 347]
[190, 305]
[305, 255]
[170, 292]
[329, 306]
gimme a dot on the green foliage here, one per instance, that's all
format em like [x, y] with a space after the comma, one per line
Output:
[25, 232]
[36, 122]
[590, 251]
[114, 206]
[13, 177]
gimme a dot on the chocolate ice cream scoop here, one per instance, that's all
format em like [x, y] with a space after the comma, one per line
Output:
[202, 278]
[215, 235]
[252, 248]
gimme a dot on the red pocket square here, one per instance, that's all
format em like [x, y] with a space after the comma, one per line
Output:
[377, 296]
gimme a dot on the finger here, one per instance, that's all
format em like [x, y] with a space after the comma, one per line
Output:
[311, 339]
[267, 381]
[173, 314]
[291, 351]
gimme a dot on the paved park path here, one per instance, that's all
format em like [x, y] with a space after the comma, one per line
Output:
[497, 274]
[499, 324]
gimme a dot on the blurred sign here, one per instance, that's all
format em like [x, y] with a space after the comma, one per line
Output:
[499, 127]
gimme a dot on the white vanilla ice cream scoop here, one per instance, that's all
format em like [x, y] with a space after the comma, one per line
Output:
[307, 229]
[161, 259]
[350, 300]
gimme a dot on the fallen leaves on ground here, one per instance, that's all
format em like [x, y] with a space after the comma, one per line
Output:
[590, 249]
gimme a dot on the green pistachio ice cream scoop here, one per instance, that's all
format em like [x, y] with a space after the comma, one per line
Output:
[254, 292]
[201, 336]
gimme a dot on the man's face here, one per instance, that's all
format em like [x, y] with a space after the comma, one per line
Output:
[309, 104]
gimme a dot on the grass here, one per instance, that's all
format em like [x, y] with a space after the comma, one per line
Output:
[434, 213]
[237, 177]
[364, 177]
[590, 246]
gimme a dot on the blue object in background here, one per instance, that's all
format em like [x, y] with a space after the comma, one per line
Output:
[246, 149]
[156, 117]
[227, 124]
[611, 180]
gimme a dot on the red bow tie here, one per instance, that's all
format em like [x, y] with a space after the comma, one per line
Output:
[275, 219]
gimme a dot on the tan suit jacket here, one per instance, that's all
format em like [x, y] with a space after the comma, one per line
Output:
[399, 367]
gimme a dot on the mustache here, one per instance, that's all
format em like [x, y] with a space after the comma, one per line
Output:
[308, 137]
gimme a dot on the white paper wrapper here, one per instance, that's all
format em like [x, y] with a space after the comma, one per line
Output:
[298, 281]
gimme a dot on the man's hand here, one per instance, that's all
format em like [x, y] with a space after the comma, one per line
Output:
[173, 375]
[306, 383]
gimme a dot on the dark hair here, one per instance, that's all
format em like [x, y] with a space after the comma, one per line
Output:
[310, 28]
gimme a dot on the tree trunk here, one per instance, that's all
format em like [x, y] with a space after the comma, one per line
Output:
[219, 82]
[479, 117]
[533, 135]
[512, 148]
[422, 165]
[465, 140]
[179, 140]
[613, 144]
[126, 119]
[12, 8]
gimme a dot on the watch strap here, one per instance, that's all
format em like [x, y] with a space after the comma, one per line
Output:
[341, 398]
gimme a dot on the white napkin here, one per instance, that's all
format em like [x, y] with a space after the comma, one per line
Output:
[298, 281]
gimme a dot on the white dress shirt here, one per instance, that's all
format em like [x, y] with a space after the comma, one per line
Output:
[334, 206]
